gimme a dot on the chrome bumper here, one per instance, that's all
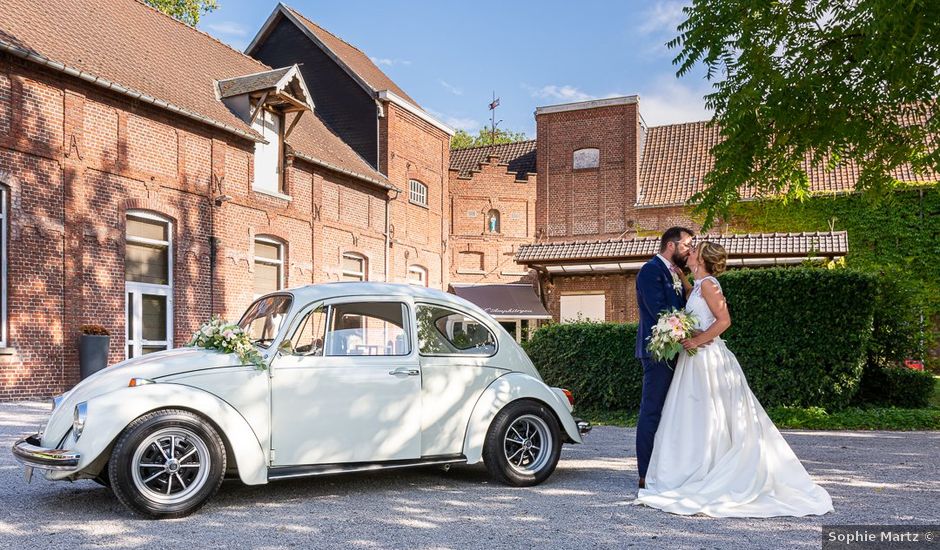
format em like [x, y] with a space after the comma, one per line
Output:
[29, 453]
[584, 427]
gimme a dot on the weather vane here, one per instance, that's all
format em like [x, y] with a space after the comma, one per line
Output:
[493, 122]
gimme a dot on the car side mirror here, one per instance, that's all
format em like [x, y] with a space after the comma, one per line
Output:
[286, 347]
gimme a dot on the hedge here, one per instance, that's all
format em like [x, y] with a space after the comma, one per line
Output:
[800, 334]
[593, 360]
[895, 386]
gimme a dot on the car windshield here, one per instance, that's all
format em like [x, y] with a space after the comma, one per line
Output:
[264, 318]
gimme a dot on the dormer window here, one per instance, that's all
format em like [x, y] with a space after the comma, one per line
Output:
[271, 102]
[269, 157]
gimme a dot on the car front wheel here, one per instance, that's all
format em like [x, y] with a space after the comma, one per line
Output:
[523, 444]
[167, 464]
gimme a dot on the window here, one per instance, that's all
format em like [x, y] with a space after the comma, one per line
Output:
[269, 266]
[268, 156]
[148, 276]
[3, 267]
[354, 267]
[417, 275]
[492, 221]
[310, 334]
[586, 158]
[263, 319]
[443, 331]
[367, 328]
[583, 307]
[418, 192]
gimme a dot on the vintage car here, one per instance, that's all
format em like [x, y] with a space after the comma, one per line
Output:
[357, 376]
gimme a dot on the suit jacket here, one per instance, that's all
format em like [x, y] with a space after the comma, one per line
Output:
[654, 293]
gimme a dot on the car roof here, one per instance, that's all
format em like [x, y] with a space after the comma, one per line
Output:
[325, 291]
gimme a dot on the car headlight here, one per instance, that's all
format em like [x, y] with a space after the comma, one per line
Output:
[78, 418]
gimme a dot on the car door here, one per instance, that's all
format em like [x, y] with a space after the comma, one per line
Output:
[346, 385]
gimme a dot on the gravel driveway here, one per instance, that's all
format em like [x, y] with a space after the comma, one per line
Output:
[873, 477]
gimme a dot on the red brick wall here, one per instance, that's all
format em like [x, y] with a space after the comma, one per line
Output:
[477, 256]
[619, 293]
[411, 148]
[74, 159]
[593, 203]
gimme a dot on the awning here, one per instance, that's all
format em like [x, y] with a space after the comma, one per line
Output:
[513, 301]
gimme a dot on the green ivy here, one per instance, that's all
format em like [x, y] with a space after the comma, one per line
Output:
[896, 237]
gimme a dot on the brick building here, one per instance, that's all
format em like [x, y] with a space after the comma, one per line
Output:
[151, 176]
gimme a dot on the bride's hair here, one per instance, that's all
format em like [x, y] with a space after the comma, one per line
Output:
[714, 256]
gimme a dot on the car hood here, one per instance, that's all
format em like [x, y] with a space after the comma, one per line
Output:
[152, 366]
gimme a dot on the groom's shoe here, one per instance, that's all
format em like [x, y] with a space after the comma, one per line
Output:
[642, 483]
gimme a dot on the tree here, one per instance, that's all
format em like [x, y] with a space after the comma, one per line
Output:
[464, 140]
[814, 82]
[187, 11]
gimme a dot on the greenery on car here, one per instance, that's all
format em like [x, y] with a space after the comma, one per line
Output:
[802, 336]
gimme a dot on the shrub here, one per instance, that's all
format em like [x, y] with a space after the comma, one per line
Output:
[593, 360]
[94, 330]
[801, 334]
[895, 386]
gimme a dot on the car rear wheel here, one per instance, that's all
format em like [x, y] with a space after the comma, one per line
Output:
[167, 464]
[523, 444]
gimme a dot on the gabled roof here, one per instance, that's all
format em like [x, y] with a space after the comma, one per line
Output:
[137, 51]
[738, 246]
[677, 157]
[351, 58]
[520, 156]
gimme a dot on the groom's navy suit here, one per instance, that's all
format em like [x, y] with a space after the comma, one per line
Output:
[654, 293]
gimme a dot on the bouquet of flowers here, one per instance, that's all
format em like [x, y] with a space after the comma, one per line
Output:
[227, 337]
[672, 327]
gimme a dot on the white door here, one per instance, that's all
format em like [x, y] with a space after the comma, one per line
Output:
[583, 307]
[348, 386]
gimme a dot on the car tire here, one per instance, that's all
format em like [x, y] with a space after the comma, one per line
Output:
[167, 464]
[523, 444]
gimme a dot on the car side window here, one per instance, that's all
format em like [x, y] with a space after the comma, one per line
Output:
[443, 331]
[309, 337]
[367, 328]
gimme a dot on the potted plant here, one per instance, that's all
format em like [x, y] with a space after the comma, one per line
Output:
[93, 349]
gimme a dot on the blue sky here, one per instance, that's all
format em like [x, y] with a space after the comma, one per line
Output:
[451, 56]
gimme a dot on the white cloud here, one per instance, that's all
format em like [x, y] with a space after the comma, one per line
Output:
[451, 88]
[663, 17]
[388, 62]
[670, 101]
[227, 28]
[470, 125]
[566, 93]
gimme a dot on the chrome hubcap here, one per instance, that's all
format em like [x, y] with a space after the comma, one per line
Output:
[528, 444]
[171, 465]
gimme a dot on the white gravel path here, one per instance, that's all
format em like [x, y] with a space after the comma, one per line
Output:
[873, 477]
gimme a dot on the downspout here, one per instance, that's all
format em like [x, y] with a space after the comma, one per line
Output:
[388, 239]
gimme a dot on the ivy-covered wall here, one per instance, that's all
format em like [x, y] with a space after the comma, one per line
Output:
[897, 237]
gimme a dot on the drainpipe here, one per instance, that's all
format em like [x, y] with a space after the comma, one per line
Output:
[388, 240]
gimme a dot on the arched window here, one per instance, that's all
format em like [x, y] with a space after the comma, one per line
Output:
[586, 158]
[148, 276]
[492, 221]
[417, 275]
[269, 265]
[418, 192]
[354, 267]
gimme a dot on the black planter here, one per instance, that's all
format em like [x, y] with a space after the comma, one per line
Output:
[92, 354]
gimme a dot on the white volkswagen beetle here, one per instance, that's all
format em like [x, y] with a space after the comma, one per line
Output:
[360, 376]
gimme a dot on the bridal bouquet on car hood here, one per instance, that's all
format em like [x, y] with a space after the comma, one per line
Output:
[673, 326]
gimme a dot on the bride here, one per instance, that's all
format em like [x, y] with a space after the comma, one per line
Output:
[716, 452]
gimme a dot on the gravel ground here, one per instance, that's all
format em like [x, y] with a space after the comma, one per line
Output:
[873, 477]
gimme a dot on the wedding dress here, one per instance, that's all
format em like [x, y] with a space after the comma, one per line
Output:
[716, 452]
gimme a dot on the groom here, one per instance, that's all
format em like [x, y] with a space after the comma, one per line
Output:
[658, 287]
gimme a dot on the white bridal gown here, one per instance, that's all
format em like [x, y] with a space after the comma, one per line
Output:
[716, 451]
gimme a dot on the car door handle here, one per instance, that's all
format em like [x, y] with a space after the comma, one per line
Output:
[409, 372]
